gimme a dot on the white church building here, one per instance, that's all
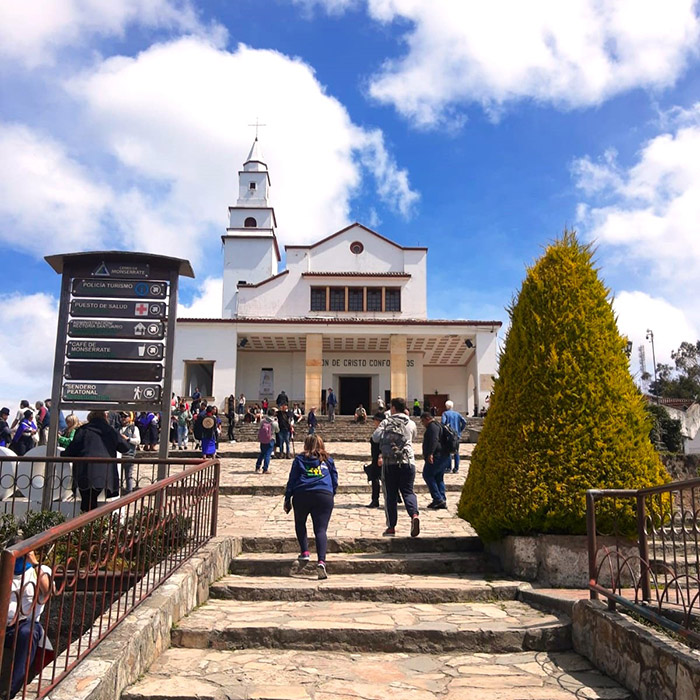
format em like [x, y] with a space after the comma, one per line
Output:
[347, 312]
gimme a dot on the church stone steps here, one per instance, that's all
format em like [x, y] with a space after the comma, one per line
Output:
[289, 545]
[502, 627]
[395, 588]
[415, 563]
[264, 674]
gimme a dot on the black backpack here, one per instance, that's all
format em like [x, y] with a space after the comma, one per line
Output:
[449, 440]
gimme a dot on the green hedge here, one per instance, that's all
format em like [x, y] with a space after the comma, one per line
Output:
[565, 415]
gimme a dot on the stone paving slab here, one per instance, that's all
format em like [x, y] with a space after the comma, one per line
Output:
[302, 675]
[425, 563]
[502, 627]
[264, 516]
[398, 588]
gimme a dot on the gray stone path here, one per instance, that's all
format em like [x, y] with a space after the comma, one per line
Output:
[255, 674]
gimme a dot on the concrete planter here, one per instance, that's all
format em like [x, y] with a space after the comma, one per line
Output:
[558, 561]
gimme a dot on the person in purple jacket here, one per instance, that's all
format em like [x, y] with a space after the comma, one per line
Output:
[312, 483]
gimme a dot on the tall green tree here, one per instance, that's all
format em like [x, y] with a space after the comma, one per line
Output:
[565, 414]
[682, 380]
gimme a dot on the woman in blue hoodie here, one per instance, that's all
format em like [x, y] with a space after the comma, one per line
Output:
[312, 483]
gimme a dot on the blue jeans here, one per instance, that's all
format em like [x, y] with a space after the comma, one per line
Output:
[182, 435]
[264, 456]
[456, 458]
[284, 441]
[434, 477]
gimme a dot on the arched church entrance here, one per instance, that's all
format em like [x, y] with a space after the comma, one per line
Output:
[353, 391]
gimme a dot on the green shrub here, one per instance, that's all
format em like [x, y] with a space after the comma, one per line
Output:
[565, 415]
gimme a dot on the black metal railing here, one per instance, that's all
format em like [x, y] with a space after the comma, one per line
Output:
[649, 561]
[66, 588]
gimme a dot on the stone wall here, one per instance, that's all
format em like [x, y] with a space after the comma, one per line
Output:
[128, 651]
[646, 662]
[558, 561]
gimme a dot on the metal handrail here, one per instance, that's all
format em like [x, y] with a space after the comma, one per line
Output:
[659, 576]
[111, 559]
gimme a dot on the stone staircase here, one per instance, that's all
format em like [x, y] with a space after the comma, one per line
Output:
[397, 618]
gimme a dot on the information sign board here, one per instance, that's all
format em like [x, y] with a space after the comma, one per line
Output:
[119, 371]
[129, 289]
[117, 309]
[94, 328]
[113, 350]
[103, 392]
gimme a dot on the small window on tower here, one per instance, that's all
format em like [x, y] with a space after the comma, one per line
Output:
[250, 222]
[251, 186]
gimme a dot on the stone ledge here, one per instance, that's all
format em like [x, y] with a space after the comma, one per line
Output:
[128, 652]
[646, 662]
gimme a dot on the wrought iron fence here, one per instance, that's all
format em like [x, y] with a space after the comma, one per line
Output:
[63, 590]
[644, 553]
[34, 483]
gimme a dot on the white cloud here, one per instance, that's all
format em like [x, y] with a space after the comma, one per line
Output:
[33, 31]
[638, 311]
[28, 339]
[50, 203]
[570, 54]
[206, 302]
[176, 117]
[647, 215]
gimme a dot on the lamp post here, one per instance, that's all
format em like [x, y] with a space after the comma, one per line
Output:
[650, 337]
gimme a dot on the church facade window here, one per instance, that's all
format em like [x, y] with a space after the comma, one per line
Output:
[374, 300]
[355, 299]
[250, 222]
[318, 298]
[392, 300]
[337, 299]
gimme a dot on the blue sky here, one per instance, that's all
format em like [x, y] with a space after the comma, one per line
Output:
[479, 130]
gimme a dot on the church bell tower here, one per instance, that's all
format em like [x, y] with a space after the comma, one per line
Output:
[251, 253]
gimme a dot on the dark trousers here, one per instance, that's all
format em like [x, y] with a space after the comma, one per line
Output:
[376, 486]
[88, 499]
[231, 423]
[318, 504]
[395, 478]
[28, 636]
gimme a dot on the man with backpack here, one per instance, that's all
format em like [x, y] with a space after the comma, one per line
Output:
[266, 437]
[436, 461]
[394, 435]
[457, 425]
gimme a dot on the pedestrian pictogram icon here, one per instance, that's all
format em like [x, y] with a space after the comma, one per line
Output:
[154, 329]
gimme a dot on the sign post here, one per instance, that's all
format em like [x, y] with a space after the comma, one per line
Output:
[115, 340]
